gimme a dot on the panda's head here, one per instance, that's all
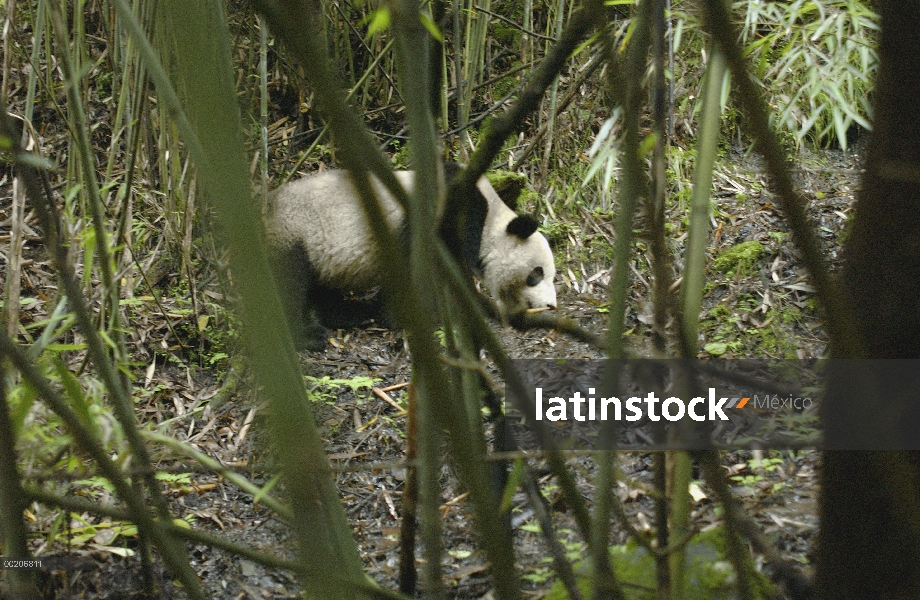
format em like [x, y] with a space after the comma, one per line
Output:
[515, 259]
[517, 265]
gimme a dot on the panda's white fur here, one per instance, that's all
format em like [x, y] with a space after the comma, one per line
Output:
[321, 241]
[322, 213]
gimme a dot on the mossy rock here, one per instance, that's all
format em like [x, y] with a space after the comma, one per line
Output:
[741, 258]
[508, 186]
[708, 573]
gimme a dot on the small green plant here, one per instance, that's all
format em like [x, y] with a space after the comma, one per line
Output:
[720, 348]
[761, 467]
[540, 574]
[176, 481]
[322, 388]
[719, 310]
[101, 533]
[778, 236]
[401, 156]
[557, 231]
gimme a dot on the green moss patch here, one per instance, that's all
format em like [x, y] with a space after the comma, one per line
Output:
[508, 185]
[739, 259]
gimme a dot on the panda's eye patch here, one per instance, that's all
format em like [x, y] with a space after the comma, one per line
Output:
[535, 277]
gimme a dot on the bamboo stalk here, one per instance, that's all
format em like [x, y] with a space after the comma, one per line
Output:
[8, 26]
[13, 285]
[263, 101]
[632, 188]
[211, 125]
[13, 529]
[553, 97]
[38, 26]
[457, 73]
[85, 158]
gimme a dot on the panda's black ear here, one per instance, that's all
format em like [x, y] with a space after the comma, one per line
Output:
[522, 226]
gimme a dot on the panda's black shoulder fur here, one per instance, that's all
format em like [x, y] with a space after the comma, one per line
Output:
[464, 219]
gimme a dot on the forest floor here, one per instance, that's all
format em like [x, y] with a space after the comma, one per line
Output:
[764, 311]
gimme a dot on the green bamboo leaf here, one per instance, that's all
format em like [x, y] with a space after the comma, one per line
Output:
[758, 45]
[840, 125]
[34, 160]
[647, 145]
[378, 21]
[88, 242]
[21, 399]
[588, 42]
[809, 123]
[266, 489]
[431, 26]
[630, 30]
[678, 33]
[823, 27]
[78, 398]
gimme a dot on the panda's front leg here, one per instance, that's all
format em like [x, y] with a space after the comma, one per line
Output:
[294, 277]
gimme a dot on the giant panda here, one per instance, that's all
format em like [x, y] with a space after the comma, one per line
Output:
[322, 250]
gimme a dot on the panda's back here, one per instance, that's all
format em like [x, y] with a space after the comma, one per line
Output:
[322, 214]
